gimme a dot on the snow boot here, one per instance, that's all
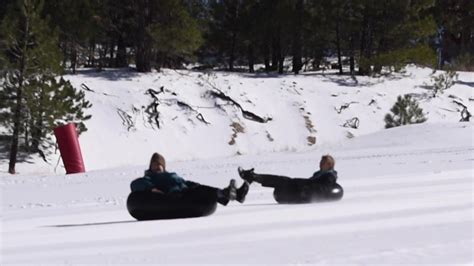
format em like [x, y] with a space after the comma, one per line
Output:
[242, 192]
[227, 194]
[247, 175]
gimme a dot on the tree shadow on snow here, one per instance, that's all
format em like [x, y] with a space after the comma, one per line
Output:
[114, 222]
[91, 224]
[110, 74]
[470, 84]
[261, 204]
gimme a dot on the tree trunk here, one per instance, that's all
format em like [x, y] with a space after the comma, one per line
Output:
[338, 47]
[111, 61]
[275, 52]
[143, 58]
[143, 41]
[297, 37]
[281, 65]
[232, 51]
[363, 70]
[19, 96]
[16, 129]
[91, 59]
[266, 54]
[73, 58]
[102, 56]
[352, 65]
[121, 58]
[251, 58]
[279, 53]
[351, 56]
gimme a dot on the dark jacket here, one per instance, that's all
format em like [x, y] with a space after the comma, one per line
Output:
[164, 181]
[325, 178]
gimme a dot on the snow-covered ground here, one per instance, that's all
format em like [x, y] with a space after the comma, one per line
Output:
[408, 190]
[304, 109]
[408, 200]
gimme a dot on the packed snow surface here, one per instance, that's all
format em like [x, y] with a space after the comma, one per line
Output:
[408, 200]
[408, 190]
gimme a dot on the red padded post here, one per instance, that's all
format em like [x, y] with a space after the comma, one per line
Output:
[70, 149]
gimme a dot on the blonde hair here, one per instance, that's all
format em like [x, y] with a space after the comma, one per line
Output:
[156, 157]
[330, 159]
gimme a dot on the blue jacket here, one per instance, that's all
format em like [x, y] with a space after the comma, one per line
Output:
[165, 181]
[328, 177]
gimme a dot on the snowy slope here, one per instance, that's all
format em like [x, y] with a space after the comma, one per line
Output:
[303, 108]
[408, 200]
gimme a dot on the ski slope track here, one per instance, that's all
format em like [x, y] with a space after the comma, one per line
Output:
[408, 200]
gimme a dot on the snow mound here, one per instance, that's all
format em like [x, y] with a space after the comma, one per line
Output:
[179, 113]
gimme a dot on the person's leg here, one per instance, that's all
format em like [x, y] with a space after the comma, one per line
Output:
[264, 179]
[272, 180]
[222, 196]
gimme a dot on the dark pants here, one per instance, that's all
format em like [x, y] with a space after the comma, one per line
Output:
[300, 190]
[277, 181]
[207, 192]
[287, 189]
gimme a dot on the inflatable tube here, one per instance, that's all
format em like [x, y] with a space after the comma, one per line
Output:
[145, 205]
[299, 195]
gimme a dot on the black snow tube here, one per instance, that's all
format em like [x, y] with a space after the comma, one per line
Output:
[295, 195]
[145, 205]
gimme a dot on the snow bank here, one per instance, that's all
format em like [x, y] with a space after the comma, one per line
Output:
[307, 111]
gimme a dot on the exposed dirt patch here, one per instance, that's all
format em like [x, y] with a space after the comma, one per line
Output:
[238, 129]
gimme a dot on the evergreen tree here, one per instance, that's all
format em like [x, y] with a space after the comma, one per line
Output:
[394, 33]
[74, 20]
[50, 102]
[115, 23]
[455, 23]
[175, 35]
[31, 60]
[443, 82]
[405, 111]
[164, 31]
[226, 28]
[373, 35]
[298, 28]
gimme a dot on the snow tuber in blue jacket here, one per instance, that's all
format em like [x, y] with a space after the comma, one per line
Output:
[165, 181]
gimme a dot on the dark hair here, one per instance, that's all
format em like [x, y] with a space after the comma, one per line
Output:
[156, 157]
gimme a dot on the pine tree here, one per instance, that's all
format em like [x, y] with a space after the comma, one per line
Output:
[404, 111]
[298, 28]
[176, 35]
[32, 60]
[164, 32]
[75, 21]
[395, 33]
[443, 82]
[50, 102]
[226, 29]
[455, 24]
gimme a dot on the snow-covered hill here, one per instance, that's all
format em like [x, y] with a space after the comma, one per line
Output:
[408, 200]
[408, 190]
[304, 112]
